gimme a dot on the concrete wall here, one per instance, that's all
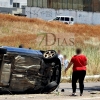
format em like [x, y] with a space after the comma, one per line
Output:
[48, 14]
[7, 10]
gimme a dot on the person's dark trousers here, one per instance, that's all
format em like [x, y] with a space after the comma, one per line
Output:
[78, 75]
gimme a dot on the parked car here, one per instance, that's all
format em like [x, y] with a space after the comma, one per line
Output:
[64, 19]
[27, 70]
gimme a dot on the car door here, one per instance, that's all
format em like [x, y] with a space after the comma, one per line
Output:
[25, 61]
[71, 21]
[67, 20]
[62, 19]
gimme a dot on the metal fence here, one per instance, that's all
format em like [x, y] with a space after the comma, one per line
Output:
[85, 5]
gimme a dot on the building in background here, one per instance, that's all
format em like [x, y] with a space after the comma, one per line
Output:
[13, 3]
[12, 6]
[83, 11]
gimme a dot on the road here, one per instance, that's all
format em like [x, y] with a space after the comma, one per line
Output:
[91, 92]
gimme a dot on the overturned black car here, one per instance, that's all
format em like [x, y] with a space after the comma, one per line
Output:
[26, 70]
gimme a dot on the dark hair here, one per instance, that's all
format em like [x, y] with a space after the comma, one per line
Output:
[65, 56]
[59, 51]
[21, 46]
[78, 50]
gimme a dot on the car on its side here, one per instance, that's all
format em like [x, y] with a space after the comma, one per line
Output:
[27, 70]
[64, 19]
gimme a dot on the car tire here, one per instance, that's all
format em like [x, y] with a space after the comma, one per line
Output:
[50, 55]
[3, 51]
[50, 87]
[66, 23]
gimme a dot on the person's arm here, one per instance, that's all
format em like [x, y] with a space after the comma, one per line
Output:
[62, 61]
[69, 65]
[86, 62]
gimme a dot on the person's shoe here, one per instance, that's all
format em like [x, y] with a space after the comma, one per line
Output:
[74, 94]
[62, 90]
[81, 94]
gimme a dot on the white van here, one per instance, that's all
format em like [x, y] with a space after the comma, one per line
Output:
[64, 19]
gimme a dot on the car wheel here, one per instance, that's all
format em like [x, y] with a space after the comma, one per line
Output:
[50, 87]
[50, 55]
[66, 23]
[3, 51]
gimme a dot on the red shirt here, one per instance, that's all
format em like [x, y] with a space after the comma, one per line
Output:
[79, 62]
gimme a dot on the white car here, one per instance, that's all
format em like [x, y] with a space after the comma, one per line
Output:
[64, 19]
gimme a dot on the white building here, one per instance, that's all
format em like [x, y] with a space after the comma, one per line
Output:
[13, 3]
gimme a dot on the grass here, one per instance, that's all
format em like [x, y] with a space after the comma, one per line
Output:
[93, 67]
[17, 39]
[30, 32]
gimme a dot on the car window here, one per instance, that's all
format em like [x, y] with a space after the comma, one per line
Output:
[72, 19]
[66, 18]
[57, 18]
[62, 19]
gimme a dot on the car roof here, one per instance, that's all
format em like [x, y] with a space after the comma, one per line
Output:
[64, 16]
[22, 50]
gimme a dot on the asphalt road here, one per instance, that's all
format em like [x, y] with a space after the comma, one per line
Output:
[91, 92]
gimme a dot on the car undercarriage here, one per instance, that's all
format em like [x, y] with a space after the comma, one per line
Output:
[20, 72]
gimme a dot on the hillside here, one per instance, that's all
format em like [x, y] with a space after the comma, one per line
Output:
[12, 27]
[20, 30]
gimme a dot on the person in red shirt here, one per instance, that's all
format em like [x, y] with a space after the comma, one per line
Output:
[79, 62]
